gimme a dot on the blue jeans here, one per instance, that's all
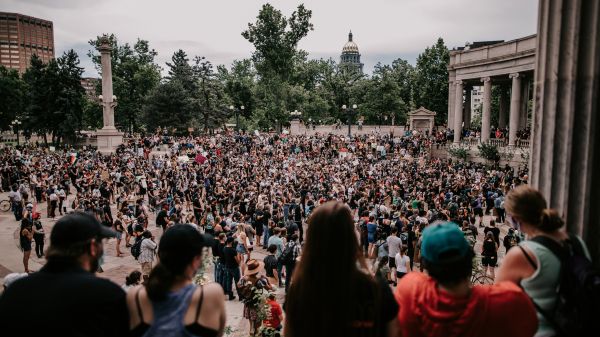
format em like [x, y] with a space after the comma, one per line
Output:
[231, 274]
[266, 236]
[220, 274]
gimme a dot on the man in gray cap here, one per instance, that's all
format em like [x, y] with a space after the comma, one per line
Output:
[65, 297]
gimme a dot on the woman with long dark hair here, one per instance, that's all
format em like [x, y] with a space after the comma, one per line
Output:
[170, 304]
[316, 305]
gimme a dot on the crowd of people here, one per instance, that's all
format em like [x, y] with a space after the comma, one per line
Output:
[377, 211]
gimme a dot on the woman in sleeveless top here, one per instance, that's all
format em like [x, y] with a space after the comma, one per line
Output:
[170, 304]
[533, 266]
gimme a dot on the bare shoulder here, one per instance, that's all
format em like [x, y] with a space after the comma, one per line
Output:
[133, 291]
[213, 291]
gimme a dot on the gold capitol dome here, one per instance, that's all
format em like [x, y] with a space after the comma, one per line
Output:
[350, 57]
[350, 46]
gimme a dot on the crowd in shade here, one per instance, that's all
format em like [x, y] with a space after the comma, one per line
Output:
[363, 236]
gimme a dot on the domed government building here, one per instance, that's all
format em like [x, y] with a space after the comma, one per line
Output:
[350, 55]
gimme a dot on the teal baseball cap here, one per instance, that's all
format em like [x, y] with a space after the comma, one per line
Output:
[443, 241]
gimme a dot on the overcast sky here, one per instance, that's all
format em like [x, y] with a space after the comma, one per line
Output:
[383, 29]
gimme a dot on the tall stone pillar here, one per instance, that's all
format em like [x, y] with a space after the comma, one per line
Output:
[486, 109]
[515, 105]
[108, 138]
[503, 107]
[524, 102]
[451, 96]
[467, 107]
[458, 111]
[565, 156]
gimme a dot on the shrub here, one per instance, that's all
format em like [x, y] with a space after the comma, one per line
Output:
[489, 152]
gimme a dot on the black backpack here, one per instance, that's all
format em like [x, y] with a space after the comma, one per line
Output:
[287, 256]
[136, 248]
[578, 292]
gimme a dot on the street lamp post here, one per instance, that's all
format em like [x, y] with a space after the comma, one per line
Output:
[349, 113]
[15, 125]
[237, 116]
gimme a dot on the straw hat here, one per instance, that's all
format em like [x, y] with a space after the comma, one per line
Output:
[254, 267]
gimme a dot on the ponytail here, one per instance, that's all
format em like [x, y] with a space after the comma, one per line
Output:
[550, 221]
[159, 282]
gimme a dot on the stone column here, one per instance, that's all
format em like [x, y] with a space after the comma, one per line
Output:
[515, 105]
[524, 102]
[108, 138]
[458, 111]
[565, 155]
[467, 107]
[486, 109]
[431, 124]
[451, 96]
[108, 104]
[503, 107]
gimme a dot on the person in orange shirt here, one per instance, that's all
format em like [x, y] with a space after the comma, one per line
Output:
[444, 303]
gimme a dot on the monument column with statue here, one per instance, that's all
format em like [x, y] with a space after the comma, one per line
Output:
[108, 137]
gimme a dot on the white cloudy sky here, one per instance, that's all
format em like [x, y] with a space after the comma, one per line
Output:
[383, 29]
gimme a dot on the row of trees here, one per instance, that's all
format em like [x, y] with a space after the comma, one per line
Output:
[276, 79]
[48, 99]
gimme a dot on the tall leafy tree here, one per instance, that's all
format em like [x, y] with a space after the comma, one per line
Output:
[275, 39]
[239, 83]
[71, 98]
[135, 74]
[209, 94]
[168, 105]
[430, 86]
[13, 98]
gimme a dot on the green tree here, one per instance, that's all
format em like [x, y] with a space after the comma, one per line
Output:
[239, 83]
[36, 97]
[13, 98]
[169, 105]
[430, 84]
[55, 98]
[181, 70]
[209, 95]
[135, 74]
[275, 39]
[70, 101]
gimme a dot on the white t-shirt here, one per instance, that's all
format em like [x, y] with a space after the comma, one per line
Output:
[401, 262]
[394, 245]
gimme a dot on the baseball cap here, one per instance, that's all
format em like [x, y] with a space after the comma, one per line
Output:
[443, 241]
[78, 227]
[181, 242]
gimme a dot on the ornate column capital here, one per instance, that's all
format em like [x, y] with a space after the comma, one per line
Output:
[486, 79]
[515, 75]
[458, 82]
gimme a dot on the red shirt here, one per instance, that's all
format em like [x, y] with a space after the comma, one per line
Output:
[499, 310]
[273, 320]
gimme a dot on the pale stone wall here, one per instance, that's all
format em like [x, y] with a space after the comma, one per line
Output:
[302, 129]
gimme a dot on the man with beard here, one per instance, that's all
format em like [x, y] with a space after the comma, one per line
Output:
[69, 299]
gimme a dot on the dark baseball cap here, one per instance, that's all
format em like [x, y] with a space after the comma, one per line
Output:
[181, 243]
[78, 227]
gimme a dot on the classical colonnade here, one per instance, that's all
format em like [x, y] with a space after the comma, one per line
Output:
[506, 64]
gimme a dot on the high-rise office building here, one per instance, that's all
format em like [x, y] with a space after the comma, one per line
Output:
[21, 36]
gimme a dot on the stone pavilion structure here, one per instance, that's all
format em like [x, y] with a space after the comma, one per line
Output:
[421, 120]
[508, 64]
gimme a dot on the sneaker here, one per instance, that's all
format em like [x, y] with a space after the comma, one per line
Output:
[231, 297]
